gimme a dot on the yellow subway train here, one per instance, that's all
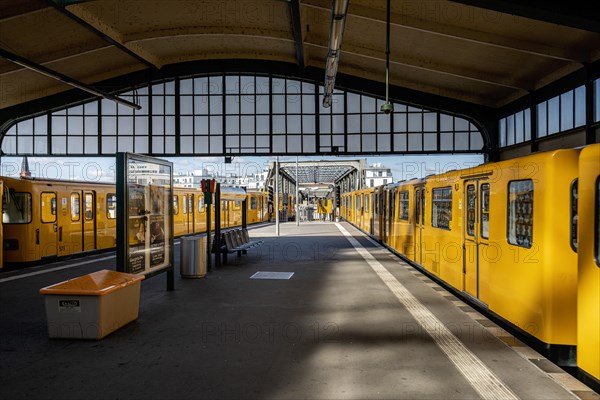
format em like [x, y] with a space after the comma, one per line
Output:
[44, 219]
[518, 238]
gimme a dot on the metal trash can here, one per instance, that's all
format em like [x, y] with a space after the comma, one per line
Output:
[192, 257]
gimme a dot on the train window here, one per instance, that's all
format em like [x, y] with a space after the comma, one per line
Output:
[111, 206]
[485, 210]
[175, 204]
[201, 204]
[184, 203]
[190, 203]
[253, 203]
[237, 204]
[48, 207]
[403, 210]
[358, 202]
[520, 213]
[75, 207]
[471, 198]
[17, 209]
[89, 206]
[441, 212]
[574, 198]
[367, 201]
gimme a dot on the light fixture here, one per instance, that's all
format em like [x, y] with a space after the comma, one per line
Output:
[339, 10]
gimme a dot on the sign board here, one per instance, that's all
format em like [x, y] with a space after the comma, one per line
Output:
[144, 214]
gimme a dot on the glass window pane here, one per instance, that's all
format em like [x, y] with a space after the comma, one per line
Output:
[528, 124]
[400, 121]
[247, 104]
[520, 213]
[383, 122]
[353, 142]
[580, 106]
[447, 141]
[553, 116]
[519, 127]
[186, 104]
[278, 104]
[415, 122]
[502, 132]
[542, 129]
[308, 124]
[485, 210]
[430, 122]
[368, 123]
[75, 145]
[186, 86]
[368, 104]
[353, 102]
[232, 104]
[201, 105]
[441, 203]
[415, 142]
[337, 124]
[566, 111]
[354, 123]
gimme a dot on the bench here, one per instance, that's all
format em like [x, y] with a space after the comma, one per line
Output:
[236, 241]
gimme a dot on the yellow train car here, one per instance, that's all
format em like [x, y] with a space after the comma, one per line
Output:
[346, 207]
[43, 219]
[499, 234]
[48, 218]
[585, 219]
[398, 227]
[362, 212]
[257, 208]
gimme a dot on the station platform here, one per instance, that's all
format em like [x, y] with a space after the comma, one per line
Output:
[352, 322]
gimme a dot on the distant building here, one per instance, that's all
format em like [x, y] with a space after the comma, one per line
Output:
[378, 174]
[192, 179]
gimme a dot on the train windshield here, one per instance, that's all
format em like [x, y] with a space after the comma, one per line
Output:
[16, 208]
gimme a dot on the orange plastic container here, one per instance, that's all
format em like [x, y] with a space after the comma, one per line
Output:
[92, 306]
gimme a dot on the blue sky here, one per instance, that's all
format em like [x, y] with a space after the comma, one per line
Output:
[103, 168]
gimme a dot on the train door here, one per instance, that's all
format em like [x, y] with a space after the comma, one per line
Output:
[190, 213]
[391, 217]
[184, 212]
[73, 237]
[476, 225]
[360, 211]
[419, 222]
[47, 234]
[375, 219]
[89, 220]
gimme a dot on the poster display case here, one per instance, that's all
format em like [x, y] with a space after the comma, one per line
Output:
[144, 215]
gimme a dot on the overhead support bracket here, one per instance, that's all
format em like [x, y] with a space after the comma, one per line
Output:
[297, 29]
[63, 78]
[60, 6]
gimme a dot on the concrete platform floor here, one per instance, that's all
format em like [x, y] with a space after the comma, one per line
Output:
[349, 324]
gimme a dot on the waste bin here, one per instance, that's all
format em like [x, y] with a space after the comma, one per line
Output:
[93, 305]
[192, 258]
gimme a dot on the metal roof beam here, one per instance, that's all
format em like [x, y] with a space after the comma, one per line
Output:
[297, 29]
[60, 7]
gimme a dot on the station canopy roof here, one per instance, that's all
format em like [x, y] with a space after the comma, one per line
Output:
[310, 173]
[487, 53]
